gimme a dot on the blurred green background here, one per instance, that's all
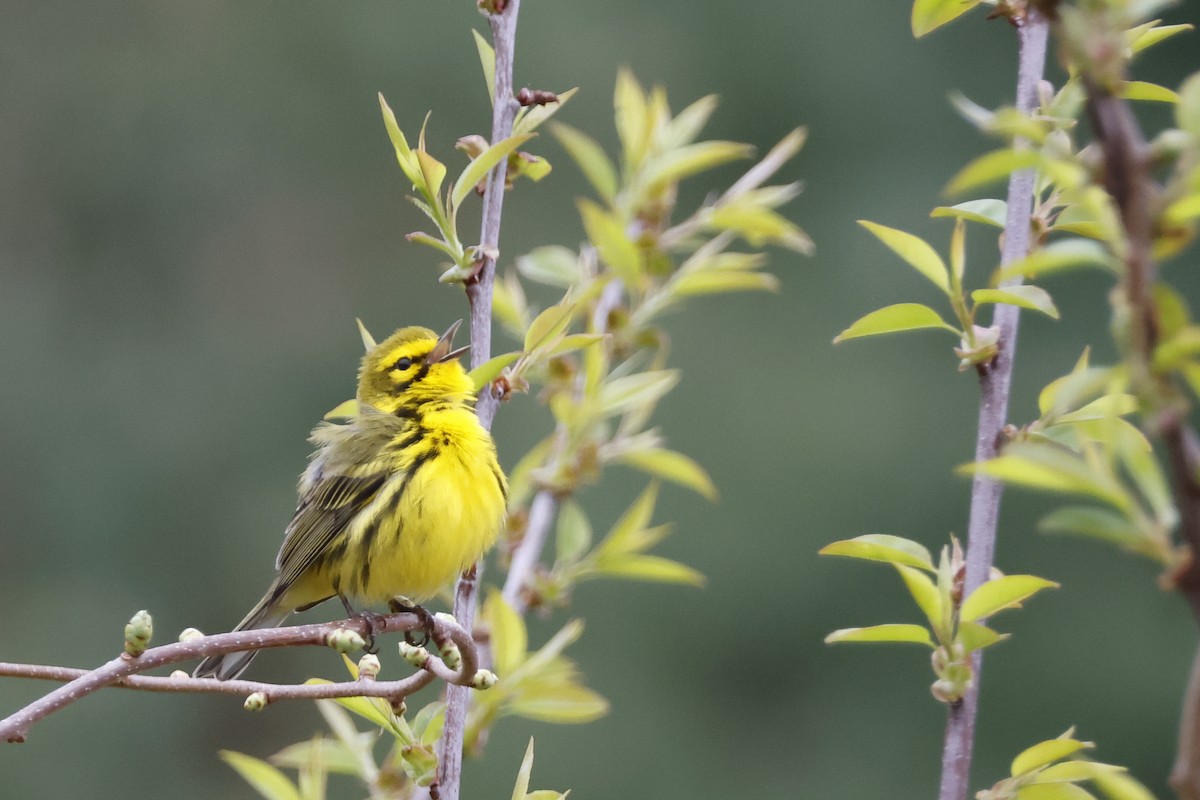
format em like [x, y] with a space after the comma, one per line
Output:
[197, 199]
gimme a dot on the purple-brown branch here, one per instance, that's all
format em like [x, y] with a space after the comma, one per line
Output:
[1128, 180]
[995, 382]
[503, 21]
[125, 670]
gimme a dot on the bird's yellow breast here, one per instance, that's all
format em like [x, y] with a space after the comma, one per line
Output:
[434, 517]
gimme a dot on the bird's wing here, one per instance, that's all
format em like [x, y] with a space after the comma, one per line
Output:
[324, 512]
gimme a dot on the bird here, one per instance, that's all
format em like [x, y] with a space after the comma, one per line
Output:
[397, 501]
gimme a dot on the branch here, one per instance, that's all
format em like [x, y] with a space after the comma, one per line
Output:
[124, 670]
[1128, 180]
[995, 381]
[543, 507]
[479, 296]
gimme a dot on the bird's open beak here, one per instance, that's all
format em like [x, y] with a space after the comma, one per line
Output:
[441, 351]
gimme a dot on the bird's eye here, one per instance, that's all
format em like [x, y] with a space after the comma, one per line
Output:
[403, 364]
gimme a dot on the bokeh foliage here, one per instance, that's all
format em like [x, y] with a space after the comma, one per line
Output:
[195, 202]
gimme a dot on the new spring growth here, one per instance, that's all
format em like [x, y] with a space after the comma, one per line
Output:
[484, 679]
[255, 701]
[345, 640]
[417, 656]
[368, 667]
[138, 632]
[953, 668]
[190, 634]
[451, 655]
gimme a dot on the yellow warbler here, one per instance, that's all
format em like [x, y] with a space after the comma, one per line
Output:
[397, 501]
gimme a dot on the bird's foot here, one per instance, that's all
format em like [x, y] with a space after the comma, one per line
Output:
[372, 622]
[401, 605]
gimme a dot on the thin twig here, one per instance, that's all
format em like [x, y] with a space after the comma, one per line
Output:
[529, 552]
[543, 507]
[124, 670]
[479, 296]
[995, 382]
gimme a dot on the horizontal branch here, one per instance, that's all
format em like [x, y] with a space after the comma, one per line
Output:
[124, 671]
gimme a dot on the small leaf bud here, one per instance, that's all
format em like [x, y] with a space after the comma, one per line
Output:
[484, 679]
[420, 763]
[189, 634]
[179, 674]
[946, 691]
[417, 656]
[345, 640]
[368, 667]
[138, 632]
[256, 701]
[399, 707]
[451, 655]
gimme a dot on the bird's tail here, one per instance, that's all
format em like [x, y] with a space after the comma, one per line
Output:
[268, 613]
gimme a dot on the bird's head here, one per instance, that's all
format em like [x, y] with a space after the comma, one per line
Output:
[411, 367]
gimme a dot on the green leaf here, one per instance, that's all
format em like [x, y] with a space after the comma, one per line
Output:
[590, 157]
[522, 785]
[433, 172]
[687, 124]
[575, 341]
[1152, 92]
[917, 634]
[347, 409]
[1150, 34]
[627, 534]
[926, 595]
[481, 165]
[991, 167]
[626, 393]
[483, 375]
[914, 250]
[552, 265]
[1121, 786]
[882, 547]
[672, 466]
[1187, 110]
[893, 319]
[333, 756]
[1092, 521]
[711, 281]
[1184, 209]
[264, 778]
[1057, 257]
[975, 636]
[1053, 791]
[548, 326]
[1109, 405]
[1076, 770]
[364, 707]
[654, 569]
[986, 212]
[758, 225]
[1024, 296]
[929, 15]
[509, 638]
[633, 118]
[487, 60]
[1046, 752]
[1053, 470]
[573, 533]
[683, 162]
[1008, 591]
[565, 704]
[404, 154]
[608, 235]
